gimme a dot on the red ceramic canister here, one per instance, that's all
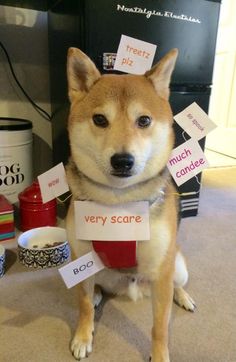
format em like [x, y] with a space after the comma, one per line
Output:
[33, 213]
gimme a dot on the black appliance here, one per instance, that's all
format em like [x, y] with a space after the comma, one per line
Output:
[96, 28]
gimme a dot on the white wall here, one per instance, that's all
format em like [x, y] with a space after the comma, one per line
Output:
[223, 106]
[24, 34]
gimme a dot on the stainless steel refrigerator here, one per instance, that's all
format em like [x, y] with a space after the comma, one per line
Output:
[96, 27]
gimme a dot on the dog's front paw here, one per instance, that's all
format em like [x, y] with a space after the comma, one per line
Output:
[159, 359]
[160, 352]
[81, 348]
[183, 299]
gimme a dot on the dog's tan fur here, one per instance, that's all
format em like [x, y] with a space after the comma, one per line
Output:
[122, 99]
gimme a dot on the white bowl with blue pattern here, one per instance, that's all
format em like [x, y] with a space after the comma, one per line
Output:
[43, 247]
[2, 260]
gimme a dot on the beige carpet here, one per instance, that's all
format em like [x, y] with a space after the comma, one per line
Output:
[38, 314]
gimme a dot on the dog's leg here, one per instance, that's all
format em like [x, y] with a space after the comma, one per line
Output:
[162, 297]
[181, 297]
[81, 344]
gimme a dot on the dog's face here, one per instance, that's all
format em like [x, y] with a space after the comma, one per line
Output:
[120, 126]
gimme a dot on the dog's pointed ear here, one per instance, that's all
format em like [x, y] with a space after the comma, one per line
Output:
[160, 74]
[81, 73]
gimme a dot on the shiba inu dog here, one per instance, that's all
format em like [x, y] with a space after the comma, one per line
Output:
[121, 136]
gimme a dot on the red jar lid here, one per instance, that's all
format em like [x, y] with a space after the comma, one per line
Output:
[32, 194]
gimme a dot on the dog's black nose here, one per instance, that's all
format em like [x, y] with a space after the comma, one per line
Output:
[122, 163]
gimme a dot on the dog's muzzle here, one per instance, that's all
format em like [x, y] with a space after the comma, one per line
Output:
[122, 164]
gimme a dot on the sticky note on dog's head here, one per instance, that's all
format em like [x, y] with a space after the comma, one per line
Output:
[82, 73]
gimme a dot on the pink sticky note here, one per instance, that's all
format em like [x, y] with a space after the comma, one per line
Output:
[186, 161]
[128, 221]
[134, 56]
[81, 269]
[53, 183]
[195, 121]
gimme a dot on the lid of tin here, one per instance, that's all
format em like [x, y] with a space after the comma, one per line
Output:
[32, 194]
[14, 124]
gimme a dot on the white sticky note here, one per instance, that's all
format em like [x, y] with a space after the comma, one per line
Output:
[134, 56]
[81, 269]
[195, 121]
[53, 183]
[128, 221]
[186, 161]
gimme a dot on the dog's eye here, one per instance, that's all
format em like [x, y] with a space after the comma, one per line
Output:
[100, 120]
[143, 121]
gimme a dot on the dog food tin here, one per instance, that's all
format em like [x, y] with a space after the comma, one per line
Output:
[15, 156]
